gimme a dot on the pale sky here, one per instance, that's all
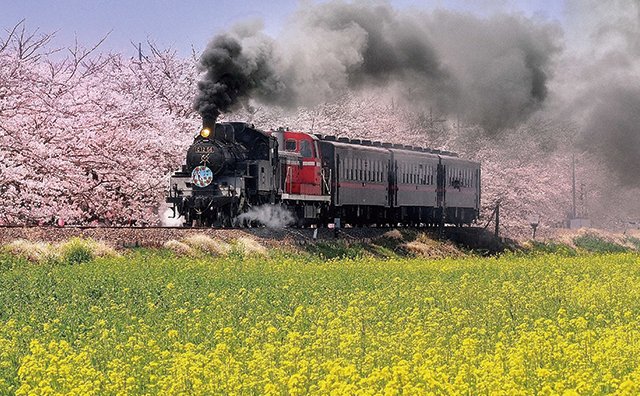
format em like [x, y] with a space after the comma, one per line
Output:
[187, 23]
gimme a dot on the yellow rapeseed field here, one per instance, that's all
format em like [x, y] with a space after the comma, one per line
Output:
[153, 323]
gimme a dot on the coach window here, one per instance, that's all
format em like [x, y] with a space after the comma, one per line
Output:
[352, 165]
[372, 171]
[290, 145]
[354, 168]
[305, 149]
[365, 167]
[405, 171]
[413, 173]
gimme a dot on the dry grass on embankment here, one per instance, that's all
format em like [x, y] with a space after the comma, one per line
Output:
[379, 243]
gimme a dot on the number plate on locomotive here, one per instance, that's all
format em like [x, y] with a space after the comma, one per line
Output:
[204, 149]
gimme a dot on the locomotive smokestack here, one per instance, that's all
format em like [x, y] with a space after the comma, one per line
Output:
[209, 122]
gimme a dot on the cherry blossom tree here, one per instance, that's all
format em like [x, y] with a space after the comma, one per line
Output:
[88, 136]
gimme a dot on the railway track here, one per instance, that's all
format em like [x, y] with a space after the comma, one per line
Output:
[156, 236]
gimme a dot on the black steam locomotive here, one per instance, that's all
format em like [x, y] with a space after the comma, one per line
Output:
[232, 168]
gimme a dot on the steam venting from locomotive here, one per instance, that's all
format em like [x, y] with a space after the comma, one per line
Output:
[271, 216]
[493, 71]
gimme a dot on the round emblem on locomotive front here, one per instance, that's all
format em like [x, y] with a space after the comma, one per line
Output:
[201, 176]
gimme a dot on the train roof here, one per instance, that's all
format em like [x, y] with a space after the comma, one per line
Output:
[378, 144]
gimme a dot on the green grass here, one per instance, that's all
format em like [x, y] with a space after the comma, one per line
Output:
[595, 244]
[633, 241]
[241, 323]
[550, 247]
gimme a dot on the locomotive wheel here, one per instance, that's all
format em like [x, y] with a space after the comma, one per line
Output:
[217, 219]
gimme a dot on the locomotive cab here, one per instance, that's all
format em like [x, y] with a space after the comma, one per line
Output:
[301, 164]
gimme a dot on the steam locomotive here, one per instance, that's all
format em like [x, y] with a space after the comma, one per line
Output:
[233, 167]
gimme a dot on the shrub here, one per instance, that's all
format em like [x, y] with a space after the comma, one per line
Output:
[596, 244]
[33, 251]
[251, 246]
[76, 251]
[339, 249]
[179, 248]
[393, 234]
[633, 241]
[208, 245]
[551, 247]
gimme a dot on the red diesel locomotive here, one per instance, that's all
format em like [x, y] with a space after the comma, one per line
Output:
[233, 167]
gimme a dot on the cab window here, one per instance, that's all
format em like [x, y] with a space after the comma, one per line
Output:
[305, 149]
[290, 145]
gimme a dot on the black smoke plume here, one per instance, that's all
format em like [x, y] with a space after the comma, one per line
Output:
[233, 74]
[612, 128]
[494, 71]
[599, 86]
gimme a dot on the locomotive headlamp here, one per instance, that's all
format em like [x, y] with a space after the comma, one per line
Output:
[205, 132]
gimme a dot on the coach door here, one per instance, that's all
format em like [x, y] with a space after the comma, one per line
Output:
[337, 183]
[393, 182]
[441, 190]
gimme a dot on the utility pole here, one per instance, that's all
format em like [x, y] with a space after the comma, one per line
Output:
[573, 165]
[497, 232]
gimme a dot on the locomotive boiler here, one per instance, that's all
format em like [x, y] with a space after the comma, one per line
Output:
[228, 168]
[233, 167]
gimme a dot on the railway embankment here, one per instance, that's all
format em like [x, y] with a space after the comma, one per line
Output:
[376, 242]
